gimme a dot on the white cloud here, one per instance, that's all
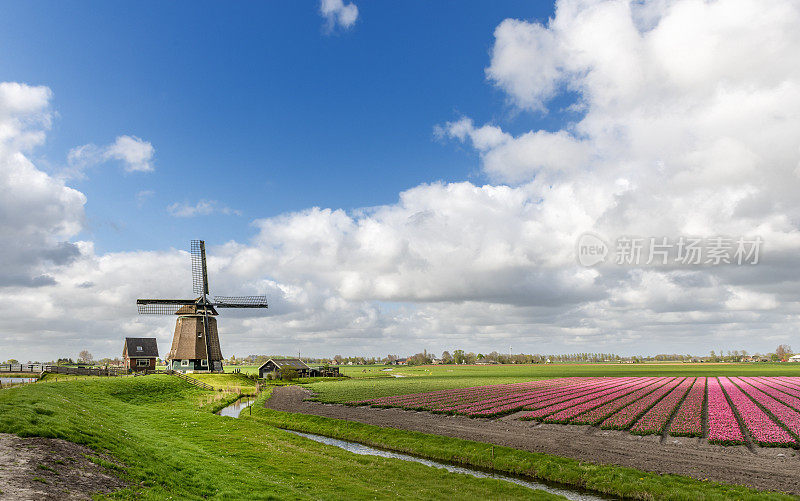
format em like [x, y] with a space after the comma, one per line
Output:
[38, 214]
[519, 159]
[134, 153]
[201, 208]
[338, 13]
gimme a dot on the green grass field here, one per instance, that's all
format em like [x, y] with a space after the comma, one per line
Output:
[377, 381]
[163, 429]
[173, 449]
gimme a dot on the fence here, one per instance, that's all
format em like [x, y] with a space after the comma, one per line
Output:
[62, 369]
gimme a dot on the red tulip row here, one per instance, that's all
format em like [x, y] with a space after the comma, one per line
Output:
[655, 420]
[688, 421]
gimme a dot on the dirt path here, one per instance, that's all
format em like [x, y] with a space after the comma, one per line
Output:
[763, 468]
[45, 468]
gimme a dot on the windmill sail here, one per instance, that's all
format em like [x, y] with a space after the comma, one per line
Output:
[199, 271]
[240, 301]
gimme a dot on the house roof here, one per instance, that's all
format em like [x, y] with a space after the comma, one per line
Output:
[140, 347]
[286, 363]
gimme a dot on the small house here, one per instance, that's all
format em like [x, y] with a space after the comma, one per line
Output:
[794, 358]
[140, 353]
[277, 365]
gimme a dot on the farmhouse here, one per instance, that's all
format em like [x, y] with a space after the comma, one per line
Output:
[275, 366]
[140, 353]
[794, 358]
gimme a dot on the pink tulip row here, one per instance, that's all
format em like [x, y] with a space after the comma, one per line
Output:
[448, 400]
[599, 414]
[526, 398]
[688, 421]
[657, 417]
[767, 398]
[517, 402]
[763, 429]
[562, 412]
[768, 408]
[625, 417]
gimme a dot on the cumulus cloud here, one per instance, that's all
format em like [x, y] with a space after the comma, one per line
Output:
[134, 153]
[519, 159]
[201, 208]
[38, 214]
[338, 13]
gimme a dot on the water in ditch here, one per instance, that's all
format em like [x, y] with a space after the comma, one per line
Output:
[235, 409]
[356, 448]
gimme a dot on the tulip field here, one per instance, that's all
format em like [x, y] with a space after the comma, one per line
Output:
[725, 410]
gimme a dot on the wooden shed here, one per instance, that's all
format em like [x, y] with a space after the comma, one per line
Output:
[140, 353]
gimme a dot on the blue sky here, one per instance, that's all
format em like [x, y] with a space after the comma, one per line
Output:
[483, 140]
[256, 106]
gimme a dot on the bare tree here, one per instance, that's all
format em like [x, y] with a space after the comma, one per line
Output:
[783, 351]
[85, 357]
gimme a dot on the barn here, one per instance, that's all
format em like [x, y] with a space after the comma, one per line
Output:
[275, 366]
[140, 353]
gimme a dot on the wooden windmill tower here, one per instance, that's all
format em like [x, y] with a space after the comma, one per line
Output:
[195, 345]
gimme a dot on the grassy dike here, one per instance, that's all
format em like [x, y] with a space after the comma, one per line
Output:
[611, 480]
[172, 449]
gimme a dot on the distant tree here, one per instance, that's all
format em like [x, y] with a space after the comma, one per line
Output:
[12, 361]
[447, 358]
[458, 356]
[783, 351]
[338, 359]
[85, 357]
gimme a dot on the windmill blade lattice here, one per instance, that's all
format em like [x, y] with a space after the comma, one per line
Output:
[161, 308]
[240, 301]
[199, 272]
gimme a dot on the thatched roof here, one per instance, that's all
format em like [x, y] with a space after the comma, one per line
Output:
[286, 363]
[140, 347]
[188, 344]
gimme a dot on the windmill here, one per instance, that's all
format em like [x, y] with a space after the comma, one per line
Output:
[195, 345]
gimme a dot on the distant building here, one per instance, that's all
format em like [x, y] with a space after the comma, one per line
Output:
[794, 358]
[275, 366]
[140, 353]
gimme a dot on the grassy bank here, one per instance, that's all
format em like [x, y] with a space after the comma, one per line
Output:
[610, 480]
[172, 449]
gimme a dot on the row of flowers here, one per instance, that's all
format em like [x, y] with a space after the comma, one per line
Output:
[688, 421]
[763, 430]
[768, 408]
[563, 411]
[656, 419]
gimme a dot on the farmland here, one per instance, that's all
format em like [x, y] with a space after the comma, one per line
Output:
[140, 422]
[767, 407]
[381, 381]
